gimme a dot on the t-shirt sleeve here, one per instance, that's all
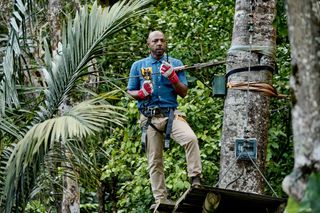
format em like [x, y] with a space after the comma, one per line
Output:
[134, 83]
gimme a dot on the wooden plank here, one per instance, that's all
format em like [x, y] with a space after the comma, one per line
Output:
[161, 207]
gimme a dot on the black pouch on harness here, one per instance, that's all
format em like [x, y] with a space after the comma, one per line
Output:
[168, 129]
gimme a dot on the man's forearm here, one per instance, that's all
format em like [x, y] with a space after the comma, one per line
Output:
[180, 89]
[134, 94]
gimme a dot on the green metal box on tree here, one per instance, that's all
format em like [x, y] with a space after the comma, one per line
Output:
[219, 85]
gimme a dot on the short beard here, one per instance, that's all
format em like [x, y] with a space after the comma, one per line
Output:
[158, 53]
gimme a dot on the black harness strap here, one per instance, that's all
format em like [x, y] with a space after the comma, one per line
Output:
[144, 136]
[252, 68]
[169, 129]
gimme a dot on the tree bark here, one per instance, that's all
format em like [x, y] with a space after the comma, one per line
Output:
[246, 113]
[54, 11]
[113, 193]
[71, 191]
[5, 12]
[71, 195]
[101, 195]
[304, 34]
[108, 2]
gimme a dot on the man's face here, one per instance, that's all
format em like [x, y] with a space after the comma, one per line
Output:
[157, 44]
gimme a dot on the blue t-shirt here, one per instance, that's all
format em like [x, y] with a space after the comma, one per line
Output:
[163, 92]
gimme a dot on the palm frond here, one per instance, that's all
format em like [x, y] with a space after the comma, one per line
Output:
[82, 120]
[80, 42]
[9, 128]
[9, 94]
[86, 156]
[4, 158]
[81, 39]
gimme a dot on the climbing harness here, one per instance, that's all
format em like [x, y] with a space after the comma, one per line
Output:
[150, 112]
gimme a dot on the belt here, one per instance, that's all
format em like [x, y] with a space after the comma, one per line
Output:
[155, 111]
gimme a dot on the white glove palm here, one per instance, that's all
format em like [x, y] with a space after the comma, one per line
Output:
[168, 72]
[166, 69]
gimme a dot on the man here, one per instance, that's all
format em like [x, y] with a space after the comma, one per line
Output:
[155, 84]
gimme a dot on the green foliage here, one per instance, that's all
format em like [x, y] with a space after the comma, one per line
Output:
[280, 140]
[292, 206]
[310, 201]
[280, 23]
[36, 207]
[205, 114]
[197, 31]
[81, 41]
[129, 165]
[88, 207]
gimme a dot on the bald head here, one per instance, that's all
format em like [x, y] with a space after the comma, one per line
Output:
[157, 44]
[155, 34]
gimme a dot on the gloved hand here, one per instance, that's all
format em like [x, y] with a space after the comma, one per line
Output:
[168, 72]
[146, 90]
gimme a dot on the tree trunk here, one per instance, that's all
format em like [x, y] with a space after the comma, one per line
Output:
[304, 34]
[112, 189]
[71, 191]
[101, 195]
[108, 2]
[54, 11]
[246, 113]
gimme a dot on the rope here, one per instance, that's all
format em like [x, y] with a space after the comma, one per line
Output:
[229, 167]
[249, 70]
[177, 69]
[265, 88]
[264, 178]
[256, 167]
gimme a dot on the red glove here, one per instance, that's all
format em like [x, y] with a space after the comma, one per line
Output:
[168, 72]
[146, 90]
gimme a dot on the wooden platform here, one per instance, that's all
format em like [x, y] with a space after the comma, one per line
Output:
[163, 208]
[230, 201]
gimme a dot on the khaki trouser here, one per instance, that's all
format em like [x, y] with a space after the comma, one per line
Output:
[183, 135]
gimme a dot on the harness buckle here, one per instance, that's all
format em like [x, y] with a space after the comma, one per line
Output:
[151, 112]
